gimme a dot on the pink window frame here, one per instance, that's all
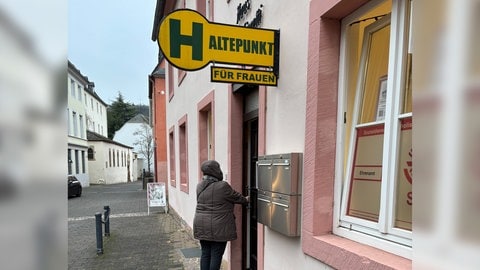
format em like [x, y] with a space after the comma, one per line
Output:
[204, 106]
[319, 158]
[183, 153]
[171, 159]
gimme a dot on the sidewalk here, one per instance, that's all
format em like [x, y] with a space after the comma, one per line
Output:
[137, 241]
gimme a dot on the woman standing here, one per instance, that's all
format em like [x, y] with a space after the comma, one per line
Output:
[214, 222]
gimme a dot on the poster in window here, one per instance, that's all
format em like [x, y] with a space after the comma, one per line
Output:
[366, 178]
[382, 98]
[404, 195]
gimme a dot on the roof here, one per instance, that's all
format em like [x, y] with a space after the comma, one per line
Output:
[89, 86]
[95, 137]
[139, 118]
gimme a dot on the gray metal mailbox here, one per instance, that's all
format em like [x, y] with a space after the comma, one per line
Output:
[285, 214]
[264, 204]
[264, 174]
[279, 192]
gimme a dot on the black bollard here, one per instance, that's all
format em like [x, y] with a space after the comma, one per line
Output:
[106, 219]
[98, 225]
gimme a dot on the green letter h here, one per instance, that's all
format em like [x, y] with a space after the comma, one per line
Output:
[177, 39]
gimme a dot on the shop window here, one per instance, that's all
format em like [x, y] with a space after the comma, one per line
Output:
[183, 152]
[171, 163]
[376, 131]
[206, 145]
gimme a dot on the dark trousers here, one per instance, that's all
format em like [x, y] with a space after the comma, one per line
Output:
[212, 253]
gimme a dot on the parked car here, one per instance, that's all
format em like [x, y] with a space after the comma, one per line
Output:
[74, 187]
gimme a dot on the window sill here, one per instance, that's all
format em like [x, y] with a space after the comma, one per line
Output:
[342, 253]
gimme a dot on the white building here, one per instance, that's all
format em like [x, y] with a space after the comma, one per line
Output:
[86, 112]
[109, 162]
[76, 115]
[126, 135]
[95, 111]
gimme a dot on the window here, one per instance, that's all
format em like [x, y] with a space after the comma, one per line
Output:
[205, 130]
[68, 123]
[79, 88]
[69, 161]
[77, 162]
[171, 163]
[83, 162]
[110, 157]
[118, 159]
[85, 98]
[171, 88]
[91, 103]
[91, 154]
[75, 124]
[376, 142]
[98, 108]
[183, 152]
[80, 119]
[205, 7]
[72, 87]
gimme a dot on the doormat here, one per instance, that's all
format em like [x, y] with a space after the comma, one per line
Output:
[191, 252]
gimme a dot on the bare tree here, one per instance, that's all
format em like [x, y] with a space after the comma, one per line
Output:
[145, 142]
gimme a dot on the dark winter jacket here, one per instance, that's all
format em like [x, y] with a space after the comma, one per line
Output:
[214, 219]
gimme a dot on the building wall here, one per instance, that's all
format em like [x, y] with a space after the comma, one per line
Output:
[97, 115]
[102, 171]
[159, 122]
[76, 127]
[125, 136]
[284, 129]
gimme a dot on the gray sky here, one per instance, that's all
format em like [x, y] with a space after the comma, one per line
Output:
[109, 42]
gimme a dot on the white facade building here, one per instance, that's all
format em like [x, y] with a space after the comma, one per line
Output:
[96, 112]
[76, 117]
[109, 162]
[126, 135]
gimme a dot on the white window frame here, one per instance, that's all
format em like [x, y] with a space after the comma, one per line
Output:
[72, 87]
[382, 234]
[75, 124]
[80, 119]
[79, 91]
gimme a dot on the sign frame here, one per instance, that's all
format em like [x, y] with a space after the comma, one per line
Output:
[156, 196]
[241, 32]
[232, 73]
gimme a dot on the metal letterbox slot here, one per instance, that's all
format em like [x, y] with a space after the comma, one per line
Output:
[263, 207]
[285, 215]
[264, 174]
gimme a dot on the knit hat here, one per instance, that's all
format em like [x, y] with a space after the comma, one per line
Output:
[212, 168]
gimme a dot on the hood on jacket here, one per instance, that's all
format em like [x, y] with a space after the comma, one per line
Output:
[212, 168]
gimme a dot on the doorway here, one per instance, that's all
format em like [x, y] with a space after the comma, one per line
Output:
[249, 172]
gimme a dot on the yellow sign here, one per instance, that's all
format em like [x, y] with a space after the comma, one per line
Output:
[246, 76]
[188, 41]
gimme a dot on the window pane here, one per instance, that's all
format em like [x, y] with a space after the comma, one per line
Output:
[407, 95]
[365, 186]
[376, 68]
[403, 206]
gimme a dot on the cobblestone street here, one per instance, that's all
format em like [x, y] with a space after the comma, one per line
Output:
[137, 241]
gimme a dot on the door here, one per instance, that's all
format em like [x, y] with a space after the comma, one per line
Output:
[250, 155]
[249, 159]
